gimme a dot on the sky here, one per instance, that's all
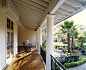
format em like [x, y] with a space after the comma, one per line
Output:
[79, 18]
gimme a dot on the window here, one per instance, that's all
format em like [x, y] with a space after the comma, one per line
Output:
[9, 24]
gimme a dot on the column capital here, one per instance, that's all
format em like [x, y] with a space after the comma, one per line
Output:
[50, 15]
[39, 27]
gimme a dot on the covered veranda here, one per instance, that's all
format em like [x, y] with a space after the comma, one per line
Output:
[22, 20]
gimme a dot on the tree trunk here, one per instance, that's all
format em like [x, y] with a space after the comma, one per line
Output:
[81, 46]
[68, 43]
[72, 44]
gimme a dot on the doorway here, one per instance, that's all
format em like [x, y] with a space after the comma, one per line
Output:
[10, 48]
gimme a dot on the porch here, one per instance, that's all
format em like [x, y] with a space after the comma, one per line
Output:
[24, 21]
[27, 61]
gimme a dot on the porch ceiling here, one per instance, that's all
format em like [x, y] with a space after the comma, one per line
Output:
[67, 9]
[32, 12]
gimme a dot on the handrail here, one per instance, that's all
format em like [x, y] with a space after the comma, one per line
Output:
[43, 53]
[61, 66]
[43, 48]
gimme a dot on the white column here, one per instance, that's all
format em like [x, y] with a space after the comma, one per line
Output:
[15, 38]
[36, 39]
[49, 48]
[40, 39]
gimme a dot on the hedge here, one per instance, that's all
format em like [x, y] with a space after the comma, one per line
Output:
[72, 64]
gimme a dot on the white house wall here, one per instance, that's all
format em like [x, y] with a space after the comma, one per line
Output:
[2, 38]
[26, 34]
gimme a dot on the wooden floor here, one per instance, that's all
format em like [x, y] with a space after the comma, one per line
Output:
[27, 61]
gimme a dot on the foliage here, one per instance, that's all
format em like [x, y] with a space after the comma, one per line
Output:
[65, 28]
[82, 27]
[75, 47]
[55, 40]
[72, 64]
[85, 48]
[63, 40]
[79, 48]
[69, 59]
[60, 48]
[43, 44]
[75, 51]
[82, 51]
[84, 54]
[82, 39]
[43, 37]
[60, 45]
[84, 33]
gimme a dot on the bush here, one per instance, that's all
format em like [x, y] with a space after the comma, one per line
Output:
[79, 48]
[83, 51]
[84, 54]
[60, 48]
[75, 47]
[84, 47]
[65, 42]
[69, 59]
[63, 46]
[55, 40]
[75, 58]
[72, 64]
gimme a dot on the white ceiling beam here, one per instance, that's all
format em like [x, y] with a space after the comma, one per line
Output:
[30, 16]
[35, 4]
[35, 19]
[63, 11]
[56, 4]
[75, 3]
[61, 15]
[28, 13]
[41, 2]
[48, 1]
[67, 7]
[29, 10]
[28, 22]
[57, 17]
[26, 5]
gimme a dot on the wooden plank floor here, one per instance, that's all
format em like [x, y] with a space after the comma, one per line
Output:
[27, 61]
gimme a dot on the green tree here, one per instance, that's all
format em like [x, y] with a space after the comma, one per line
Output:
[82, 39]
[74, 34]
[65, 28]
[84, 33]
